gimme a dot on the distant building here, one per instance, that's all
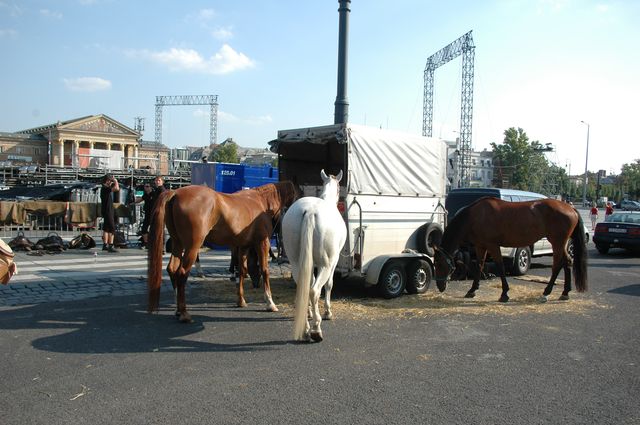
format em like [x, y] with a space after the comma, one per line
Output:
[93, 141]
[480, 167]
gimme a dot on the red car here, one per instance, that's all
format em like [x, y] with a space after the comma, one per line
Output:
[619, 230]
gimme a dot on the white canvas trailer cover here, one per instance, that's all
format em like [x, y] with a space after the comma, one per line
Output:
[376, 162]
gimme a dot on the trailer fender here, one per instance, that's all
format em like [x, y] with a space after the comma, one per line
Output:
[375, 267]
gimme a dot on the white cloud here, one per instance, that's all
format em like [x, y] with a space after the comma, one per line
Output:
[199, 113]
[227, 116]
[263, 119]
[13, 9]
[87, 84]
[225, 61]
[206, 14]
[9, 33]
[222, 33]
[50, 14]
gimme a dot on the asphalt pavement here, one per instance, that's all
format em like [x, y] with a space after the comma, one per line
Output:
[434, 358]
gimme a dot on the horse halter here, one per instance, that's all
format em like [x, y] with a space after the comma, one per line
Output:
[451, 262]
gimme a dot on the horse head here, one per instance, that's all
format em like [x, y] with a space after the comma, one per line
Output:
[331, 186]
[444, 264]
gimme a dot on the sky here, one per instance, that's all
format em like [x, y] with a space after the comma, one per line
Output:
[548, 66]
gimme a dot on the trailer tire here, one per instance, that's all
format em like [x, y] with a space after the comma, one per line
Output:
[429, 235]
[419, 276]
[392, 280]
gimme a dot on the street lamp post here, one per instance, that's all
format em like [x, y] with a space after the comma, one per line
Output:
[586, 163]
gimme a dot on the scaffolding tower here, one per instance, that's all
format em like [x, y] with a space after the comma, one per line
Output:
[462, 46]
[211, 100]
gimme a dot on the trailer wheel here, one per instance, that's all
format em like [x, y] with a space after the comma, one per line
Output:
[393, 280]
[419, 276]
[429, 234]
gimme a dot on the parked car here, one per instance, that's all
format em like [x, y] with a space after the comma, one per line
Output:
[619, 230]
[516, 260]
[627, 205]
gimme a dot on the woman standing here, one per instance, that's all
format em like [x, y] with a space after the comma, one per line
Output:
[594, 216]
[109, 185]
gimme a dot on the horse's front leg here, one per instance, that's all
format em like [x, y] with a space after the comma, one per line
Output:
[263, 254]
[481, 255]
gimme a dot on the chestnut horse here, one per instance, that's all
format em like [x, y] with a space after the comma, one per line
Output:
[195, 214]
[490, 223]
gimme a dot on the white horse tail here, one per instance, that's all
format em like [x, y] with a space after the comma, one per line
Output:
[305, 274]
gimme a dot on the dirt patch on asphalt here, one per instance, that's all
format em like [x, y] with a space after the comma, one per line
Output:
[357, 303]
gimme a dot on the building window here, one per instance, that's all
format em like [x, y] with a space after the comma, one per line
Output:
[19, 150]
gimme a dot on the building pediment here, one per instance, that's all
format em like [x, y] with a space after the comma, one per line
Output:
[98, 124]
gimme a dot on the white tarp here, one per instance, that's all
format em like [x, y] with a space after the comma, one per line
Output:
[393, 163]
[380, 162]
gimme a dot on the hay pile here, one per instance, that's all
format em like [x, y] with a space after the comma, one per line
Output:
[525, 294]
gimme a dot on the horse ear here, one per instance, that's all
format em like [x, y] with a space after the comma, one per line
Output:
[339, 176]
[324, 175]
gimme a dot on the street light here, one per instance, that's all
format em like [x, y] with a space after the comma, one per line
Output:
[586, 162]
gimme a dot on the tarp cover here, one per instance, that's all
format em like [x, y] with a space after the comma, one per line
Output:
[380, 162]
[392, 163]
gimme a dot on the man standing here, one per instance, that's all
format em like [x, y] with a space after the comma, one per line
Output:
[150, 197]
[109, 186]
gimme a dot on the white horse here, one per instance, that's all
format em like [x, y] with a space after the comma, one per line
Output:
[313, 233]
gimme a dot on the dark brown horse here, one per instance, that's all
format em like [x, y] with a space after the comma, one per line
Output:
[195, 214]
[490, 223]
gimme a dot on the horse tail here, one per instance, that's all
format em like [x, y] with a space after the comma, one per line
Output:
[579, 256]
[156, 242]
[305, 274]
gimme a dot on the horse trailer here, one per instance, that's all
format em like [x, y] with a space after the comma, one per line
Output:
[391, 197]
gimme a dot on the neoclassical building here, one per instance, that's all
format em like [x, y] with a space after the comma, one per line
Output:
[92, 141]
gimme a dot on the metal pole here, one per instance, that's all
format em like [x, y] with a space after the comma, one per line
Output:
[586, 163]
[341, 111]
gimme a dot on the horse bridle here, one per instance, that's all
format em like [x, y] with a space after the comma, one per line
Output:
[451, 262]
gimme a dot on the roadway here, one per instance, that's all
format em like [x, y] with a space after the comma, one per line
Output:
[435, 358]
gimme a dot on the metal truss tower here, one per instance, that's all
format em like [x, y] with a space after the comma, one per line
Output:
[211, 100]
[462, 46]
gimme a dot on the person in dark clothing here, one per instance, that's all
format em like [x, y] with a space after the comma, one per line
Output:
[150, 197]
[109, 186]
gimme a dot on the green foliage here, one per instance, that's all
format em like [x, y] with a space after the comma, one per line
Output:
[226, 152]
[520, 164]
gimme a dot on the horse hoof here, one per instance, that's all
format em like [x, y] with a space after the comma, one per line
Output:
[185, 318]
[544, 299]
[564, 297]
[242, 304]
[503, 299]
[470, 295]
[272, 308]
[316, 336]
[327, 316]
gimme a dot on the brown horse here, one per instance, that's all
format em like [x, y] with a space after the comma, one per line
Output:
[490, 223]
[195, 214]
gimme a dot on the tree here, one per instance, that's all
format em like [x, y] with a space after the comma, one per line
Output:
[226, 152]
[629, 180]
[520, 164]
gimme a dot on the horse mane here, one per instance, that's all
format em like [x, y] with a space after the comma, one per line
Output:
[278, 195]
[456, 228]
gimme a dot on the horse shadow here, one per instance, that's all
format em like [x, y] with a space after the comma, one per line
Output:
[121, 325]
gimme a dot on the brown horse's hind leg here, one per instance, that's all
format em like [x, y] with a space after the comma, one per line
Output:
[559, 262]
[241, 267]
[263, 258]
[497, 257]
[181, 275]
